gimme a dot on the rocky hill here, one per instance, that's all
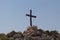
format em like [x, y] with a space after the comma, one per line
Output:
[31, 33]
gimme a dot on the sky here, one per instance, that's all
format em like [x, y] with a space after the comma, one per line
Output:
[13, 14]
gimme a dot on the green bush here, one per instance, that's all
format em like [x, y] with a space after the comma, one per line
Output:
[3, 37]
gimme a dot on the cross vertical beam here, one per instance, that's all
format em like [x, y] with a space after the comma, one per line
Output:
[31, 17]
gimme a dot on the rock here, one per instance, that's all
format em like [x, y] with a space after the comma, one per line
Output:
[33, 33]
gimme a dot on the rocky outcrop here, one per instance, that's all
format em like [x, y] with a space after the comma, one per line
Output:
[33, 33]
[15, 36]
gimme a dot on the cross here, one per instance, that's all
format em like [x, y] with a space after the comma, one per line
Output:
[31, 17]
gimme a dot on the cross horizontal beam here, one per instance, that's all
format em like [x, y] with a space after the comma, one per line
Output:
[31, 15]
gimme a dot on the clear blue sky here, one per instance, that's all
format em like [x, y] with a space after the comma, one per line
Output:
[12, 14]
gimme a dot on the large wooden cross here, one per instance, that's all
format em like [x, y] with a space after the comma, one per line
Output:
[31, 17]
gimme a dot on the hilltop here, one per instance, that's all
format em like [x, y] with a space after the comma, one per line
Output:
[31, 33]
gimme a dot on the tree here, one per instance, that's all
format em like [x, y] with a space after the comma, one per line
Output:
[3, 37]
[54, 32]
[48, 32]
